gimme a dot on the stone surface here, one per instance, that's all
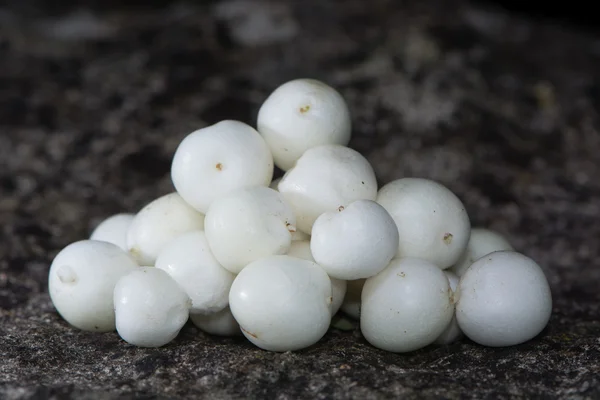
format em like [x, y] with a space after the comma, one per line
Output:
[503, 110]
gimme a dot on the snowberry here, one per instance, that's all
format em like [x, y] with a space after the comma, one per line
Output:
[114, 230]
[215, 160]
[302, 114]
[504, 300]
[220, 323]
[354, 242]
[351, 303]
[301, 249]
[482, 242]
[432, 222]
[406, 306]
[150, 307]
[249, 224]
[452, 332]
[282, 303]
[81, 281]
[189, 261]
[325, 178]
[158, 223]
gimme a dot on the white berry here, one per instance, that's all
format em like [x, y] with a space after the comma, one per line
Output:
[213, 161]
[249, 224]
[158, 223]
[302, 114]
[189, 261]
[325, 178]
[504, 300]
[81, 281]
[150, 307]
[452, 332]
[282, 303]
[432, 222]
[354, 242]
[301, 249]
[220, 323]
[351, 303]
[482, 242]
[114, 230]
[406, 306]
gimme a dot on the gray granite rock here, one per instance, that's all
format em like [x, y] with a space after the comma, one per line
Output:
[502, 109]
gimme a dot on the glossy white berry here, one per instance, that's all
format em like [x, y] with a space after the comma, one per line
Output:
[249, 224]
[220, 323]
[354, 242]
[325, 178]
[81, 281]
[406, 306]
[351, 303]
[482, 242]
[213, 161]
[452, 332]
[114, 230]
[302, 114]
[504, 300]
[432, 222]
[150, 307]
[282, 303]
[189, 261]
[301, 249]
[158, 223]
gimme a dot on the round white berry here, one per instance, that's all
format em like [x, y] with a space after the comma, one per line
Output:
[81, 281]
[158, 223]
[351, 303]
[220, 323]
[481, 243]
[301, 249]
[406, 306]
[249, 224]
[325, 178]
[114, 230]
[504, 300]
[215, 160]
[282, 303]
[189, 261]
[432, 222]
[302, 114]
[452, 332]
[354, 242]
[150, 307]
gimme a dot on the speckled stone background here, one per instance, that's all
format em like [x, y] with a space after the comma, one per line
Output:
[502, 109]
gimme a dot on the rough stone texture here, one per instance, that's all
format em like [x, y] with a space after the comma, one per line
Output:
[503, 110]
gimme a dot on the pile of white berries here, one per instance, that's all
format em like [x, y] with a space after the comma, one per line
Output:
[236, 252]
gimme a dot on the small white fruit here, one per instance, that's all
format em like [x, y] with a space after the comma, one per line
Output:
[220, 323]
[452, 332]
[282, 303]
[158, 223]
[150, 307]
[432, 222]
[114, 230]
[302, 114]
[504, 300]
[351, 304]
[81, 281]
[213, 161]
[301, 249]
[325, 178]
[354, 242]
[406, 306]
[189, 261]
[482, 242]
[249, 224]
